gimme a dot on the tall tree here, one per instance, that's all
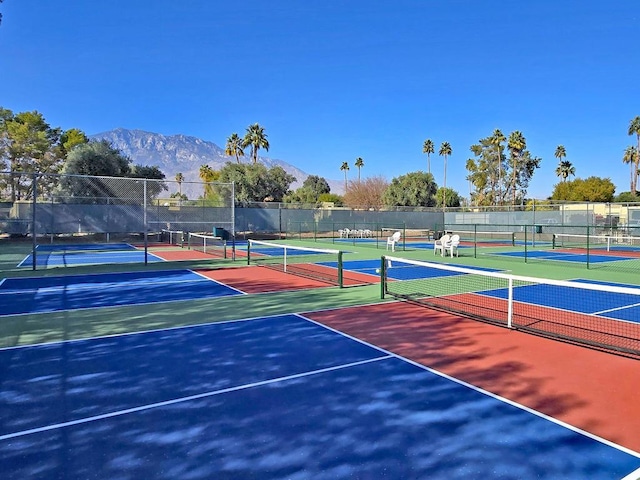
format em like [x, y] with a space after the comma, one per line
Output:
[359, 164]
[31, 145]
[94, 159]
[367, 194]
[592, 189]
[517, 144]
[345, 168]
[448, 195]
[631, 157]
[415, 189]
[233, 148]
[310, 191]
[256, 138]
[97, 158]
[564, 169]
[560, 153]
[70, 138]
[483, 172]
[445, 151]
[179, 179]
[208, 175]
[154, 176]
[496, 140]
[255, 183]
[428, 148]
[634, 129]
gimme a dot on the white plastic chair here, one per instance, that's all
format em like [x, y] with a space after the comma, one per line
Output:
[392, 240]
[439, 245]
[452, 245]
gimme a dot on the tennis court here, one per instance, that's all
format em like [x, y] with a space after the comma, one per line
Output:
[274, 397]
[265, 368]
[564, 256]
[59, 293]
[48, 256]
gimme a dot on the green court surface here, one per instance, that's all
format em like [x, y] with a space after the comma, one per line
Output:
[67, 325]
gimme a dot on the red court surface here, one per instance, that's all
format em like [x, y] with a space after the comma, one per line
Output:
[183, 254]
[254, 279]
[594, 391]
[260, 279]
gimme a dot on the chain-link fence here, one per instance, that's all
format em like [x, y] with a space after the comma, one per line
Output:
[67, 209]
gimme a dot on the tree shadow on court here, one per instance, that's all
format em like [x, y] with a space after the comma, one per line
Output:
[546, 375]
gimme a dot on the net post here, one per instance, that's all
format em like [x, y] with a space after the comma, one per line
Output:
[553, 241]
[249, 252]
[588, 249]
[513, 239]
[475, 240]
[340, 270]
[284, 265]
[383, 276]
[510, 304]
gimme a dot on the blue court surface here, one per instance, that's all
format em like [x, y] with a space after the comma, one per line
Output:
[71, 292]
[616, 305]
[73, 255]
[82, 247]
[269, 398]
[397, 271]
[564, 256]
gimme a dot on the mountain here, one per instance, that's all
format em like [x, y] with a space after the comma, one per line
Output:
[185, 154]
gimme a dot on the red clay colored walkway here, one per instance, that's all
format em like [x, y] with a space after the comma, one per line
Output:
[594, 391]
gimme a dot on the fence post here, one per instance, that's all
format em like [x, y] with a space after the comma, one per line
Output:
[383, 275]
[34, 241]
[144, 221]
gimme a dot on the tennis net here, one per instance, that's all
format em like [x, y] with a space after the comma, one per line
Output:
[603, 316]
[315, 263]
[596, 242]
[486, 239]
[208, 244]
[172, 237]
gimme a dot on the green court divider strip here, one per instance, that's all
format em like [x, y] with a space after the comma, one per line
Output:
[78, 324]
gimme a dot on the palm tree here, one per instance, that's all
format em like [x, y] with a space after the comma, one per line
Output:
[233, 148]
[428, 148]
[565, 168]
[634, 129]
[516, 143]
[345, 167]
[631, 157]
[208, 175]
[496, 139]
[359, 164]
[179, 179]
[445, 151]
[256, 139]
[560, 152]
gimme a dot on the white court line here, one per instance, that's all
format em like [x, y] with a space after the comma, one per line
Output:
[635, 475]
[185, 399]
[204, 277]
[624, 307]
[488, 393]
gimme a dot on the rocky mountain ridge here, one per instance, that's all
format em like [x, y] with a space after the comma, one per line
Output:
[186, 154]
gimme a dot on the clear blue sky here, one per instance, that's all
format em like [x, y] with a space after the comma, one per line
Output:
[333, 80]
